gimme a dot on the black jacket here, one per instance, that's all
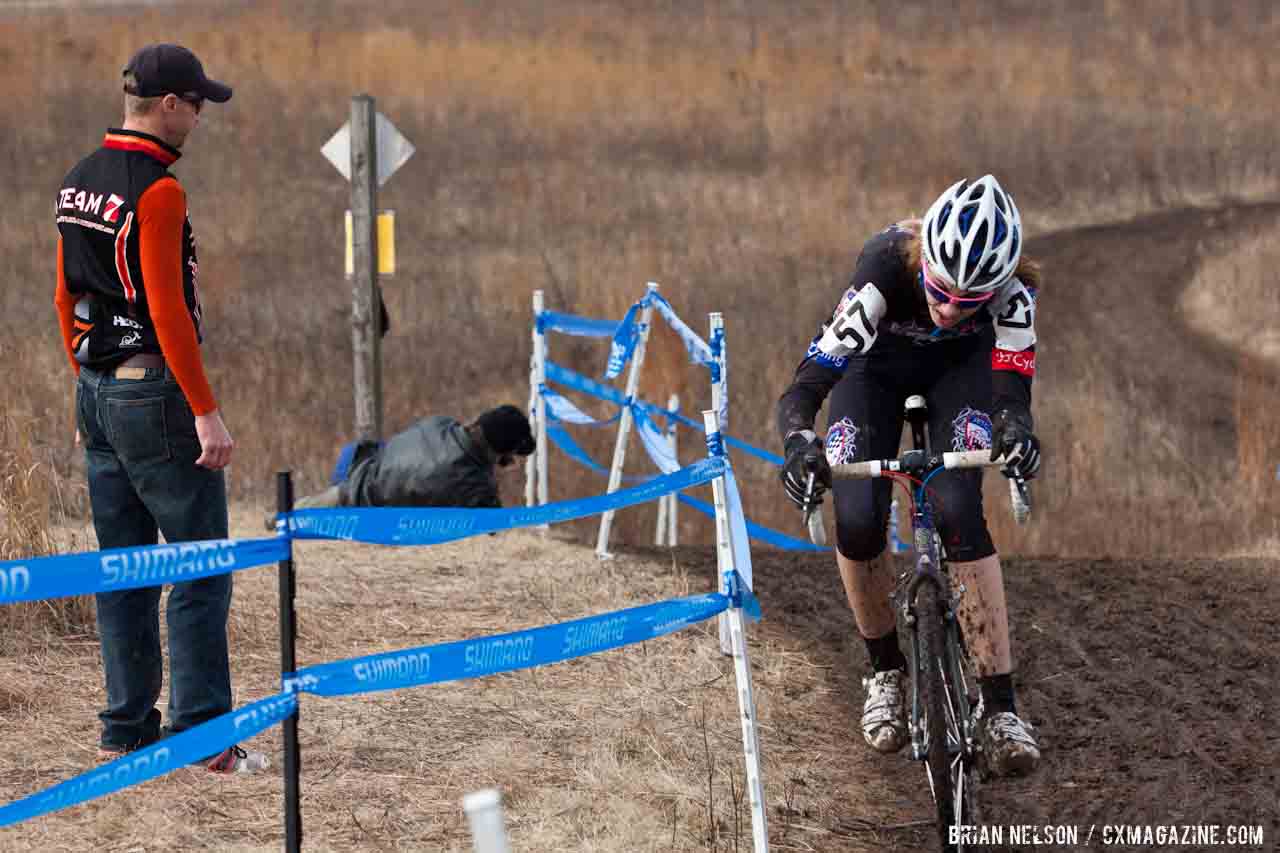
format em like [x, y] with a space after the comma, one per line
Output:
[432, 463]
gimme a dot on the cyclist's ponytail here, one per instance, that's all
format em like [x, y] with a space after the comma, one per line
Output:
[911, 245]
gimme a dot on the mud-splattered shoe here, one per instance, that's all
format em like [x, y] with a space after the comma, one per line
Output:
[1011, 748]
[884, 714]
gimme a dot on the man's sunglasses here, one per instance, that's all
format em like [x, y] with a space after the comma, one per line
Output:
[196, 102]
[940, 295]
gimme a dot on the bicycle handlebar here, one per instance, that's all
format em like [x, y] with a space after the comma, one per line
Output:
[915, 461]
[880, 467]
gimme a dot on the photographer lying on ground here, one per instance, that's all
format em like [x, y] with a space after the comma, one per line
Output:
[435, 462]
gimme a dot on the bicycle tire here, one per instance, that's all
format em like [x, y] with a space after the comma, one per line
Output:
[965, 702]
[933, 701]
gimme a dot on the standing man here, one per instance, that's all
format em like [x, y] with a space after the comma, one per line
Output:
[129, 309]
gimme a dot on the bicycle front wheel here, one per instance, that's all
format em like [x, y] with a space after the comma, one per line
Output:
[931, 673]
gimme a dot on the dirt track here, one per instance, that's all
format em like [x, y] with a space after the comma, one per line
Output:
[1152, 686]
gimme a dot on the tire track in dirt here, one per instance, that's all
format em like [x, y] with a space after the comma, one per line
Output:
[1151, 683]
[1170, 721]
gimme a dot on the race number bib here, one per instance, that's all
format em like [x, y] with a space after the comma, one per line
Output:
[853, 327]
[1014, 311]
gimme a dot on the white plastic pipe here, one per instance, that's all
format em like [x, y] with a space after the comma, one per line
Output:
[484, 815]
[660, 532]
[624, 428]
[741, 666]
[666, 530]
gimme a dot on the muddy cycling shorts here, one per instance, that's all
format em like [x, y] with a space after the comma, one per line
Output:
[866, 422]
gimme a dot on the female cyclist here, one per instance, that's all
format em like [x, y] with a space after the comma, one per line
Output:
[943, 307]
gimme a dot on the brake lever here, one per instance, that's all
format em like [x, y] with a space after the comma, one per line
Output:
[1020, 498]
[813, 516]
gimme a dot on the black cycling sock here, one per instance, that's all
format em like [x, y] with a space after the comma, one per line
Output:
[884, 652]
[997, 694]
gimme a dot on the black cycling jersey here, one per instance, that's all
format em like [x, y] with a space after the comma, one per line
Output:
[886, 301]
[865, 419]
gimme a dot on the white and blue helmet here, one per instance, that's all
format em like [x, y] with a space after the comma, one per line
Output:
[972, 236]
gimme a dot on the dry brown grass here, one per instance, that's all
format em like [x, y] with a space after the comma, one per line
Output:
[737, 153]
[648, 758]
[34, 500]
[1233, 301]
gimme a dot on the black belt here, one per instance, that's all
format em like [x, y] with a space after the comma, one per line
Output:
[135, 366]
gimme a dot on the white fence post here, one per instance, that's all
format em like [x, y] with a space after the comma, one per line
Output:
[531, 463]
[665, 534]
[741, 665]
[536, 465]
[624, 427]
[673, 538]
[660, 532]
[484, 814]
[723, 555]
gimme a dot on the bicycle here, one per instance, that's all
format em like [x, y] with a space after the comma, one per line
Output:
[946, 707]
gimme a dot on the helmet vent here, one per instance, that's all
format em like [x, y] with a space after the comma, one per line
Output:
[1002, 230]
[979, 246]
[988, 270]
[949, 258]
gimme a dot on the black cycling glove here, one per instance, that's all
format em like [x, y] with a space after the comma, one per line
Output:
[1012, 437]
[805, 456]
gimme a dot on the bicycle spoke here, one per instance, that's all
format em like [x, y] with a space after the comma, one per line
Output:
[952, 720]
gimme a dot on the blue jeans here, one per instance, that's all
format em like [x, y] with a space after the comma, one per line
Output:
[141, 448]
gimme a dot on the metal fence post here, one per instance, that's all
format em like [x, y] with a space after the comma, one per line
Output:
[288, 666]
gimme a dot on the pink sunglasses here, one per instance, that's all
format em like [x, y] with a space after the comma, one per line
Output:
[940, 295]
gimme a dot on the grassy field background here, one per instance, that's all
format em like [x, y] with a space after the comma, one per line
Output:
[738, 153]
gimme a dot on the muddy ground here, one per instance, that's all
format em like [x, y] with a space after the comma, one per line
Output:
[1152, 686]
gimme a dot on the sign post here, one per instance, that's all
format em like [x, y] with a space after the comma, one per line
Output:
[366, 343]
[367, 150]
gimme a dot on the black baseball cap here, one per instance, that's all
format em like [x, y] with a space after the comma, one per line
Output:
[161, 69]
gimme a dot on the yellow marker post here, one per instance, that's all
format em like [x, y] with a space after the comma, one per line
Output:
[386, 244]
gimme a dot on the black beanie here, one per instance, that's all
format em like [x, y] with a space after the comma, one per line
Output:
[506, 430]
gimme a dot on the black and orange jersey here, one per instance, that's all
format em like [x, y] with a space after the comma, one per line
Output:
[127, 267]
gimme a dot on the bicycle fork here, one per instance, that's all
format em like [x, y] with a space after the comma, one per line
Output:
[962, 715]
[925, 572]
